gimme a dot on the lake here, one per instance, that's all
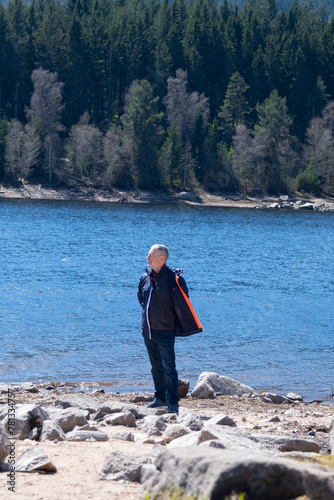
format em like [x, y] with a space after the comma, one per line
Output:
[260, 281]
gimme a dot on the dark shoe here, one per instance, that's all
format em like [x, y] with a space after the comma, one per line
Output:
[173, 409]
[156, 403]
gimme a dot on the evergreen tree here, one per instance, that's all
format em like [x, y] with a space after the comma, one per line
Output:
[141, 122]
[235, 107]
[274, 142]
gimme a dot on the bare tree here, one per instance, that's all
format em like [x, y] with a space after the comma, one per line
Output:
[23, 148]
[45, 112]
[84, 148]
[182, 108]
[318, 153]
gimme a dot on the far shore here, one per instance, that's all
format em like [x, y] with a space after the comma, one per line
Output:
[198, 198]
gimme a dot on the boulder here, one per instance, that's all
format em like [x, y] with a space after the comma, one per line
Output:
[80, 435]
[222, 385]
[27, 416]
[216, 473]
[34, 459]
[152, 425]
[66, 419]
[4, 448]
[203, 391]
[175, 431]
[51, 431]
[126, 466]
[221, 420]
[183, 387]
[78, 400]
[189, 419]
[29, 387]
[268, 397]
[124, 418]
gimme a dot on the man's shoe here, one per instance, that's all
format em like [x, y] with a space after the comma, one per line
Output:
[173, 409]
[156, 403]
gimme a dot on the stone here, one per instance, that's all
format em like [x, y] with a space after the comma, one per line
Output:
[152, 425]
[66, 419]
[124, 418]
[174, 431]
[34, 459]
[203, 391]
[294, 397]
[126, 466]
[268, 397]
[223, 385]
[183, 387]
[216, 473]
[123, 436]
[29, 387]
[189, 419]
[4, 444]
[307, 206]
[77, 400]
[107, 409]
[79, 435]
[51, 431]
[27, 416]
[186, 441]
[221, 420]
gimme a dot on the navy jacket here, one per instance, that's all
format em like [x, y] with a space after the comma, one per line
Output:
[186, 320]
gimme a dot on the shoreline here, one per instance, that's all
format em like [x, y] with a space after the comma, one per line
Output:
[78, 463]
[198, 198]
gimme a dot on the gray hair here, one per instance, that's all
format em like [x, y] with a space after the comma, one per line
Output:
[162, 249]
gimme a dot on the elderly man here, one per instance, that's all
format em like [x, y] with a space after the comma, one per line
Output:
[166, 312]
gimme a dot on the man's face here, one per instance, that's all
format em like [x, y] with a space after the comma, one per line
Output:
[155, 260]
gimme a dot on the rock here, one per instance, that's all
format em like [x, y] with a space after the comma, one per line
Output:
[175, 431]
[123, 436]
[221, 420]
[274, 205]
[34, 459]
[306, 206]
[189, 419]
[29, 387]
[152, 425]
[51, 431]
[222, 385]
[294, 397]
[82, 401]
[274, 419]
[119, 465]
[66, 419]
[284, 198]
[188, 196]
[124, 418]
[183, 387]
[4, 444]
[186, 441]
[203, 391]
[331, 437]
[27, 416]
[79, 435]
[107, 409]
[268, 397]
[214, 474]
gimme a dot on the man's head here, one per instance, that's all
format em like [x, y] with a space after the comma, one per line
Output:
[157, 257]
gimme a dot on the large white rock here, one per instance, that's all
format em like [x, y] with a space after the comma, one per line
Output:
[209, 383]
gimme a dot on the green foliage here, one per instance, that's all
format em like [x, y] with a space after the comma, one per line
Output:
[308, 180]
[266, 65]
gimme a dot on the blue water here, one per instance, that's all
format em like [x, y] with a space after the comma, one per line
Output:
[261, 282]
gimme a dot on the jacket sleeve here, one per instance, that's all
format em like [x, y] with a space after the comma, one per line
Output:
[139, 294]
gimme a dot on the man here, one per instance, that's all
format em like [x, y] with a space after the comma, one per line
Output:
[166, 312]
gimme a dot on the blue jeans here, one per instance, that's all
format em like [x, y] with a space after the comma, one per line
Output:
[161, 352]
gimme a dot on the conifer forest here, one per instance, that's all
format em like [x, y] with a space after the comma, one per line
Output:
[168, 94]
